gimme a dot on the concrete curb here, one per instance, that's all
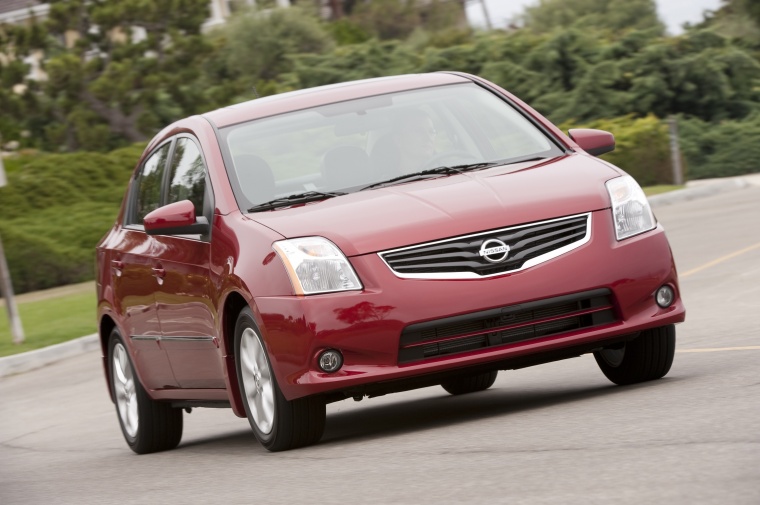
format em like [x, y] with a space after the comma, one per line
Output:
[26, 361]
[698, 191]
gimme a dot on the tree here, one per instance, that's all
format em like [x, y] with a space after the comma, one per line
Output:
[615, 16]
[387, 19]
[257, 45]
[752, 7]
[434, 8]
[117, 69]
[736, 19]
[397, 19]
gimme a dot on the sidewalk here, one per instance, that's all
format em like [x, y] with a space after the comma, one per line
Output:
[24, 362]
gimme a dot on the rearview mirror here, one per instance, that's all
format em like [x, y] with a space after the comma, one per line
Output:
[594, 142]
[177, 218]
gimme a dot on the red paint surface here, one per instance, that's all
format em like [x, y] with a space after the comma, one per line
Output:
[169, 216]
[593, 141]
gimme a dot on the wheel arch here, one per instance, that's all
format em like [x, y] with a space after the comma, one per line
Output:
[233, 305]
[105, 327]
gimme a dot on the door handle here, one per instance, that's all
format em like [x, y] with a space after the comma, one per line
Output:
[159, 272]
[117, 266]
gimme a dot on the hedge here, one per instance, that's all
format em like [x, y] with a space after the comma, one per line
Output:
[54, 210]
[724, 149]
[641, 147]
[708, 150]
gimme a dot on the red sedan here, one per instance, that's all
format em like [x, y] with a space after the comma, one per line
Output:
[371, 237]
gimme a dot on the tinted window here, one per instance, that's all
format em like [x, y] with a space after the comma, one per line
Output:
[346, 145]
[149, 184]
[188, 175]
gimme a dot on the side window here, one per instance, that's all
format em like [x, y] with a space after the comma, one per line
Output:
[187, 179]
[149, 184]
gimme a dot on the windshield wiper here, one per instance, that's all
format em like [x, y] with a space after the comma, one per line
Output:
[285, 201]
[416, 176]
[474, 166]
[488, 164]
[448, 170]
[529, 158]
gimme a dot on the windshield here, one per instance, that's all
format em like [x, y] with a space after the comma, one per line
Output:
[347, 146]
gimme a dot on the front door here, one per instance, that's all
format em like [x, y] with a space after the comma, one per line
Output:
[184, 294]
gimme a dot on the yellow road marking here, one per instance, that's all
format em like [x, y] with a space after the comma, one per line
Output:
[720, 349]
[719, 260]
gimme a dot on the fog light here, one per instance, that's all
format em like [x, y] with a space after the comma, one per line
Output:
[664, 296]
[330, 361]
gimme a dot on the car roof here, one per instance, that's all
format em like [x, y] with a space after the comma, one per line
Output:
[332, 93]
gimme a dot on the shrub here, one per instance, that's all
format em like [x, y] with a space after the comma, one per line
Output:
[642, 147]
[55, 209]
[346, 32]
[258, 45]
[724, 149]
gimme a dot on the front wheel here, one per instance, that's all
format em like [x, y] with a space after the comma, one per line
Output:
[647, 357]
[147, 425]
[470, 383]
[278, 424]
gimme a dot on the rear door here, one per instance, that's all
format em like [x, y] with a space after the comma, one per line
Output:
[135, 280]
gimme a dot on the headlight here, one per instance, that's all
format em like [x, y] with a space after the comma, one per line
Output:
[630, 208]
[316, 265]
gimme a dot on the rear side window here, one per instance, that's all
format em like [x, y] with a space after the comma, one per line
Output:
[149, 184]
[187, 179]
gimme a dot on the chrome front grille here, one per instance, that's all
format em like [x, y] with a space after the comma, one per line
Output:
[506, 325]
[463, 258]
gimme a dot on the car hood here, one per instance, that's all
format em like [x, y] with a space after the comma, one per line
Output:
[421, 211]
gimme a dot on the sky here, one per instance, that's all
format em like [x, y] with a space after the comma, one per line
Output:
[674, 13]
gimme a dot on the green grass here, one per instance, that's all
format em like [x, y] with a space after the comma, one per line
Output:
[663, 188]
[50, 321]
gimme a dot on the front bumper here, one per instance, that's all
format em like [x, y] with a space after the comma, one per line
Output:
[367, 326]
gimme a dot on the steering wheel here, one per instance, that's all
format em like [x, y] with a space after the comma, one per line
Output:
[458, 155]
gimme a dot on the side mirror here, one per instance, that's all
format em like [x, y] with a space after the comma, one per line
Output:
[594, 142]
[177, 218]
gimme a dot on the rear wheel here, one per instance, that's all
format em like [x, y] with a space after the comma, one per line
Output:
[470, 383]
[647, 357]
[147, 425]
[278, 424]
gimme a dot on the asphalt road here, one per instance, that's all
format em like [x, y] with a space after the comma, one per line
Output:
[554, 434]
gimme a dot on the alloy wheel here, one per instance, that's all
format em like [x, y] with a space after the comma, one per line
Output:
[257, 380]
[124, 390]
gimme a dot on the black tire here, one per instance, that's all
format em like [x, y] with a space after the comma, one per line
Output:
[470, 383]
[293, 424]
[647, 357]
[158, 425]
